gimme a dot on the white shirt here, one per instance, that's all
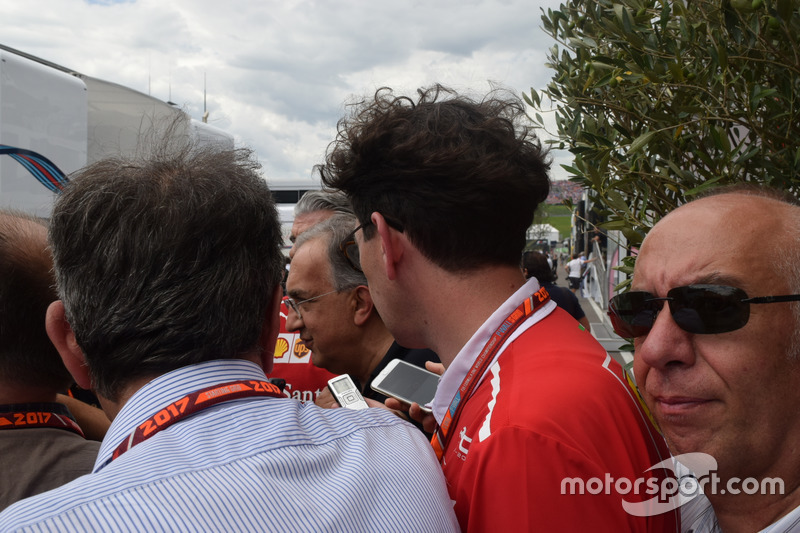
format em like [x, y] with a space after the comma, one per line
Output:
[574, 267]
[253, 464]
[697, 516]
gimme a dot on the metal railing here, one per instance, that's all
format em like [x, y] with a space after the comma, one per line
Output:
[595, 285]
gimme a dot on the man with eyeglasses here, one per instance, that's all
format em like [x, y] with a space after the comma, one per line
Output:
[332, 309]
[168, 267]
[445, 187]
[717, 354]
[292, 363]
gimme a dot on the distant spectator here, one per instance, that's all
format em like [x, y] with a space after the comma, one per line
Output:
[574, 270]
[535, 264]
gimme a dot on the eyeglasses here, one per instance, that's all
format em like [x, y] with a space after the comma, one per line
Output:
[349, 247]
[295, 306]
[701, 309]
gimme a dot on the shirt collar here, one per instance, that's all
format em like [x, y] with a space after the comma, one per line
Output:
[168, 388]
[452, 378]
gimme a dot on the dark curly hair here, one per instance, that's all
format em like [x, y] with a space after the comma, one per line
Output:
[537, 266]
[461, 177]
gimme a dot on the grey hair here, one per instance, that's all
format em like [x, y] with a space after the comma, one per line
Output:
[166, 260]
[326, 200]
[333, 231]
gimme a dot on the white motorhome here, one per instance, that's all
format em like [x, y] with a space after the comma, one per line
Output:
[73, 120]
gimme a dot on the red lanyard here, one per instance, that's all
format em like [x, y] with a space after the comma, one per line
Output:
[481, 364]
[193, 403]
[44, 415]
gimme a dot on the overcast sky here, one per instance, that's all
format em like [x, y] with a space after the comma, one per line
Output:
[278, 73]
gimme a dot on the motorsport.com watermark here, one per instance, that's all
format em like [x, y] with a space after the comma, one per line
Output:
[693, 474]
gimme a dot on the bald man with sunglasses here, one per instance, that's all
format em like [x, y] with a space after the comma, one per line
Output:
[717, 355]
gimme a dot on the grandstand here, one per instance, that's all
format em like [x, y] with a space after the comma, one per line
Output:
[561, 190]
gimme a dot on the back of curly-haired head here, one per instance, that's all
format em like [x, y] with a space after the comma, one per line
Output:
[462, 177]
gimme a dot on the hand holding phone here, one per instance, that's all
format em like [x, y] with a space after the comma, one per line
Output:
[407, 383]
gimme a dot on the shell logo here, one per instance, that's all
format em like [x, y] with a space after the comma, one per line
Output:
[300, 349]
[281, 348]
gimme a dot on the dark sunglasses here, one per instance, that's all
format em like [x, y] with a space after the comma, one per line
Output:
[702, 309]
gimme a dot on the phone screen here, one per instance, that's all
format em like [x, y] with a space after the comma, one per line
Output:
[346, 393]
[409, 383]
[341, 385]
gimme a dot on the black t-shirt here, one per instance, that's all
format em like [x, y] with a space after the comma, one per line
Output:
[414, 356]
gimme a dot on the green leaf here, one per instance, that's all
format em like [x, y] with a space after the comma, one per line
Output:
[722, 54]
[703, 187]
[615, 200]
[614, 225]
[633, 236]
[759, 94]
[676, 70]
[621, 286]
[534, 100]
[623, 17]
[640, 142]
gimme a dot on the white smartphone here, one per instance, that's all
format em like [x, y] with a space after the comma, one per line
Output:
[408, 383]
[346, 393]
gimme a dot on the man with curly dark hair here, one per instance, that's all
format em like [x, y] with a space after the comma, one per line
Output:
[445, 187]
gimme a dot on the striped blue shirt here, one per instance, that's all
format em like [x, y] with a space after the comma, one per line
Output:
[253, 464]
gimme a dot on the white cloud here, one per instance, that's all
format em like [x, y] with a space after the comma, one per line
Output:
[279, 72]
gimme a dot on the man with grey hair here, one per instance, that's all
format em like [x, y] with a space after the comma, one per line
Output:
[169, 269]
[331, 307]
[315, 207]
[303, 380]
[715, 331]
